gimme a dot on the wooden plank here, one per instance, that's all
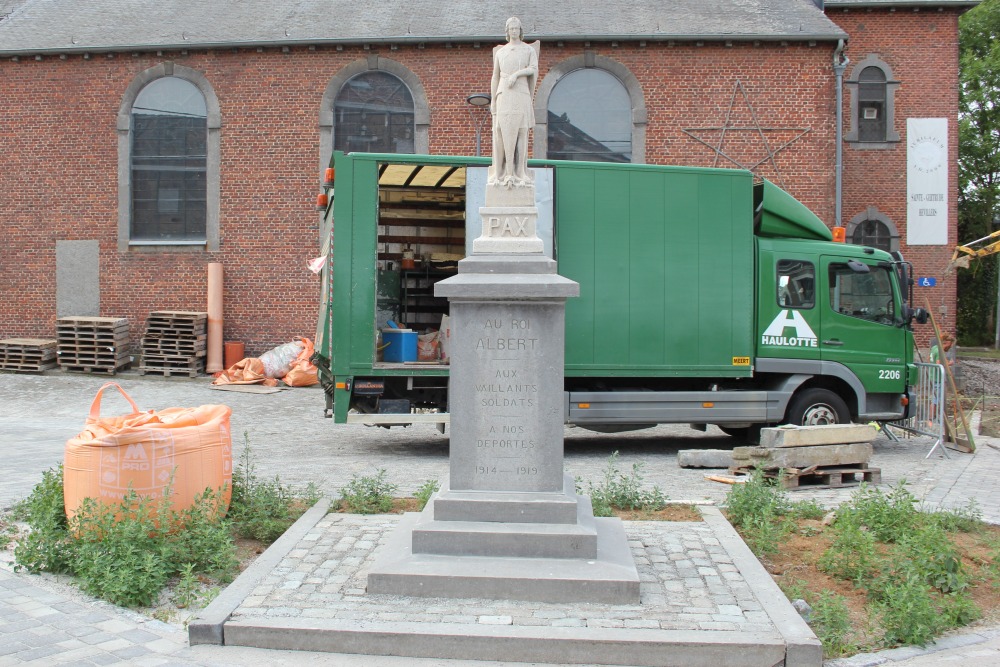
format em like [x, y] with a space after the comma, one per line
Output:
[951, 383]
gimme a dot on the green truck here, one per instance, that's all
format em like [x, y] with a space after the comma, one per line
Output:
[706, 296]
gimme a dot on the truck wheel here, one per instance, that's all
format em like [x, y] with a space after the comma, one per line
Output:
[817, 407]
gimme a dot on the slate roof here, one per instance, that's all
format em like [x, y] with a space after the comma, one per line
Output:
[41, 26]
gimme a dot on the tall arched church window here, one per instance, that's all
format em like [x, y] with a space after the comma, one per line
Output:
[169, 162]
[590, 118]
[590, 107]
[373, 113]
[872, 90]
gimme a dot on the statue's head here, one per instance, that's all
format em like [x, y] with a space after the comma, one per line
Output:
[513, 25]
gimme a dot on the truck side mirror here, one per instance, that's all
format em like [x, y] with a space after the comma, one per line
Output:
[919, 315]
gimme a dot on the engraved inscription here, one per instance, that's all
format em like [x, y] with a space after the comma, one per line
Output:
[507, 392]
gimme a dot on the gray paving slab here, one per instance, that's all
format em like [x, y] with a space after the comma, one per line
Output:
[290, 438]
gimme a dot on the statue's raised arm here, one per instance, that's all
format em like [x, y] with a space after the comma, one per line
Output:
[515, 73]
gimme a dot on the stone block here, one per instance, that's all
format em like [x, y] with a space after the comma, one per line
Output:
[809, 436]
[803, 457]
[705, 458]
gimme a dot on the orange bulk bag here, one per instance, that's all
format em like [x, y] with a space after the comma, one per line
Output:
[187, 449]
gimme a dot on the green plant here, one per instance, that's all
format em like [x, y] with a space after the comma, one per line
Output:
[852, 555]
[832, 624]
[186, 592]
[807, 509]
[759, 509]
[120, 554]
[623, 491]
[264, 509]
[426, 490]
[887, 515]
[46, 547]
[794, 588]
[368, 495]
[124, 552]
[965, 519]
[927, 552]
[907, 611]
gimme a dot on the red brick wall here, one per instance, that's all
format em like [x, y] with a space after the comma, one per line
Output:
[59, 181]
[922, 50]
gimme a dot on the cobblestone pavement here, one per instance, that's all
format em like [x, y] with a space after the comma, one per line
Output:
[45, 621]
[688, 582]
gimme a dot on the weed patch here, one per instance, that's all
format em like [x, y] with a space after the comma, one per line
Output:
[883, 574]
[623, 491]
[263, 509]
[369, 494]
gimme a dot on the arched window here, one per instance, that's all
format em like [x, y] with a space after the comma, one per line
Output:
[590, 118]
[373, 113]
[873, 229]
[872, 104]
[871, 98]
[590, 107]
[168, 160]
[169, 142]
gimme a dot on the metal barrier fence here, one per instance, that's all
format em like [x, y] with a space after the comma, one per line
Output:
[927, 408]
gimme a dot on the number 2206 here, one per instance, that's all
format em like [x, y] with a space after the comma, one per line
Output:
[888, 375]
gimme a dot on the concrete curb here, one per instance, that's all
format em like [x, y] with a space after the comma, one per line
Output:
[802, 646]
[207, 627]
[649, 648]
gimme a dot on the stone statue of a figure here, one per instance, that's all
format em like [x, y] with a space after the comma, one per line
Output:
[515, 72]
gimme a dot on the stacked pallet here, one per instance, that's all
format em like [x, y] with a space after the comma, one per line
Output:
[28, 355]
[93, 344]
[174, 343]
[815, 457]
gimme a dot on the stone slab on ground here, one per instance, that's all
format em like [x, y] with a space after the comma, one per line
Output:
[705, 458]
[705, 600]
[803, 457]
[808, 436]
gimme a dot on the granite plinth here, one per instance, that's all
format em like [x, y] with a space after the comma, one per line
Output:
[608, 578]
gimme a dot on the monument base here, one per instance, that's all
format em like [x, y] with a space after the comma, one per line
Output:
[542, 547]
[609, 578]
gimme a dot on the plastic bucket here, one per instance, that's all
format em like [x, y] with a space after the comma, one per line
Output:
[402, 345]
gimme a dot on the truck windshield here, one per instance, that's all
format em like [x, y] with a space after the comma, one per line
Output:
[867, 296]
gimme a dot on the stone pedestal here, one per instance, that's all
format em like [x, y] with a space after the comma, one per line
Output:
[509, 523]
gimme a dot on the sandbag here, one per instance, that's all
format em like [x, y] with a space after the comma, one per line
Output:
[186, 449]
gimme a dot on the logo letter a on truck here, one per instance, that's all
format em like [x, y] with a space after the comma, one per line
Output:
[775, 332]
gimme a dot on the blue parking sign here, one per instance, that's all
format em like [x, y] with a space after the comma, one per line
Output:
[927, 282]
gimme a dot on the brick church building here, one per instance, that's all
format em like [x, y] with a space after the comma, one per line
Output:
[144, 139]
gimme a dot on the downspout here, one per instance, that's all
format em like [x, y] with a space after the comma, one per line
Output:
[839, 65]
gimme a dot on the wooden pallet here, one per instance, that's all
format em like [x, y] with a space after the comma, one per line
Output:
[93, 368]
[27, 355]
[177, 323]
[175, 343]
[168, 371]
[829, 477]
[93, 344]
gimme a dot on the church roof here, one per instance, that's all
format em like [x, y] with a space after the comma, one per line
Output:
[45, 26]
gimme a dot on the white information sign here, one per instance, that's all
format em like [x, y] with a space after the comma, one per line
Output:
[927, 181]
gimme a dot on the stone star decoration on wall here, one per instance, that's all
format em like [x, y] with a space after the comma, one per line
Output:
[715, 137]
